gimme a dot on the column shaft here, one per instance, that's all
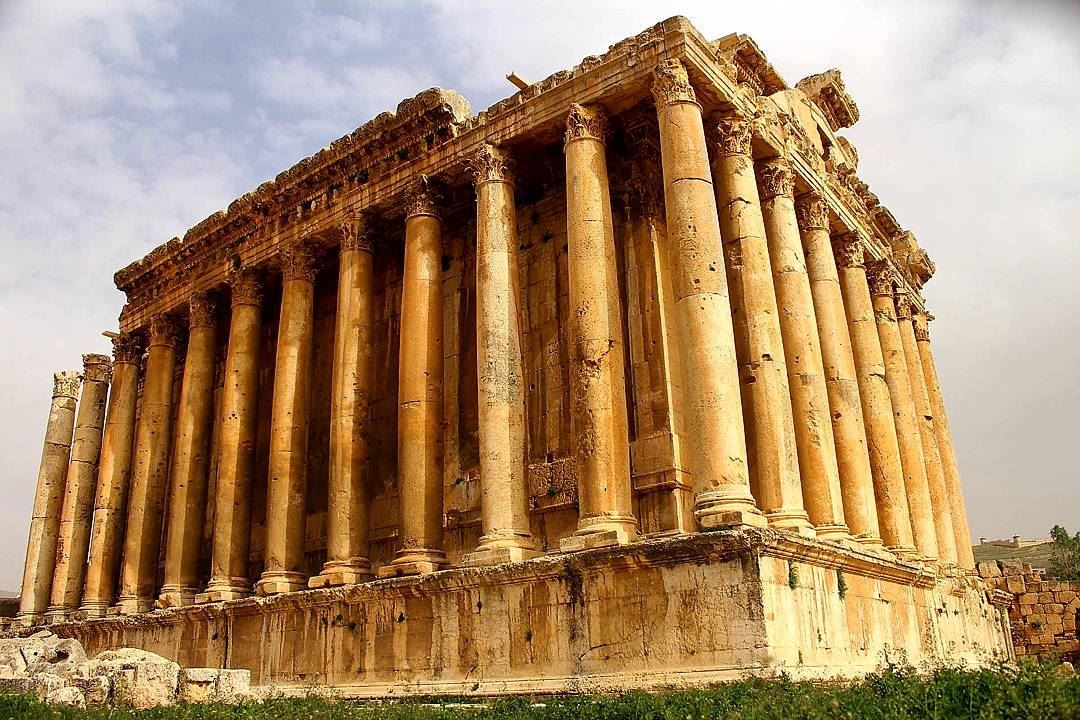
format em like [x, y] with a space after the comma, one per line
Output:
[48, 497]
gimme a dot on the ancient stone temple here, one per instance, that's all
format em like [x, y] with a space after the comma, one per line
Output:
[625, 381]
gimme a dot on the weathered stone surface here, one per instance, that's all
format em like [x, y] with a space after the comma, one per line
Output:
[204, 685]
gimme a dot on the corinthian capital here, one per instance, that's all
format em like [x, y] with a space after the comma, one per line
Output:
[903, 305]
[297, 262]
[775, 177]
[732, 134]
[127, 347]
[490, 164]
[164, 330]
[66, 383]
[422, 199]
[811, 211]
[848, 250]
[922, 327]
[357, 233]
[586, 122]
[202, 310]
[671, 84]
[246, 286]
[97, 368]
[881, 278]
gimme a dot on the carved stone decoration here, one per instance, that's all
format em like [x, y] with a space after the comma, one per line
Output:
[297, 262]
[903, 305]
[164, 330]
[812, 212]
[357, 232]
[97, 368]
[881, 278]
[922, 331]
[848, 250]
[202, 310]
[732, 134]
[422, 199]
[127, 347]
[246, 285]
[827, 91]
[775, 177]
[586, 122]
[671, 84]
[490, 164]
[66, 383]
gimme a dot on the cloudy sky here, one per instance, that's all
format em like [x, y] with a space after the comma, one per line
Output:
[123, 123]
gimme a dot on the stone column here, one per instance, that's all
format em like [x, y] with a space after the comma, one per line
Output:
[191, 457]
[770, 427]
[880, 277]
[150, 471]
[420, 385]
[806, 373]
[710, 372]
[601, 434]
[78, 508]
[45, 523]
[504, 496]
[113, 478]
[945, 444]
[353, 378]
[236, 446]
[841, 383]
[877, 410]
[941, 512]
[286, 507]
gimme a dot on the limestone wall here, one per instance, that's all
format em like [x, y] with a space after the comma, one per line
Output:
[1044, 614]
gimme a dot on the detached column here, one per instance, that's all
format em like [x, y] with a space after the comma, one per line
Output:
[146, 505]
[601, 434]
[877, 409]
[802, 347]
[353, 377]
[113, 477]
[770, 427]
[78, 508]
[45, 524]
[286, 508]
[711, 397]
[420, 385]
[191, 457]
[504, 498]
[945, 444]
[236, 447]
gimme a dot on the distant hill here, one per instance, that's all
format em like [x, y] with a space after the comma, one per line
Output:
[1038, 556]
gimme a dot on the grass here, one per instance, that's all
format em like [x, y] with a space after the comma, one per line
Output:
[1031, 692]
[1036, 555]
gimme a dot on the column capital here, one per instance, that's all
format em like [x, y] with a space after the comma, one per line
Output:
[297, 262]
[775, 177]
[490, 164]
[848, 249]
[357, 232]
[731, 133]
[671, 84]
[586, 122]
[66, 383]
[202, 310]
[881, 278]
[127, 347]
[246, 286]
[164, 330]
[812, 212]
[922, 327]
[422, 199]
[97, 367]
[903, 305]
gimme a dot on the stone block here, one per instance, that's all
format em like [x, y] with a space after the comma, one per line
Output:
[205, 685]
[988, 569]
[67, 695]
[1064, 596]
[1046, 597]
[1029, 599]
[1015, 584]
[1012, 567]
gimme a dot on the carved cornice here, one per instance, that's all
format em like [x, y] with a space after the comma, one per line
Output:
[827, 91]
[297, 262]
[812, 212]
[880, 276]
[671, 84]
[848, 249]
[732, 134]
[128, 347]
[66, 384]
[97, 367]
[246, 287]
[422, 199]
[202, 310]
[165, 330]
[357, 232]
[586, 122]
[775, 177]
[490, 164]
[903, 305]
[751, 66]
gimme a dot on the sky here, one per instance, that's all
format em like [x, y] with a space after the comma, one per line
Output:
[123, 123]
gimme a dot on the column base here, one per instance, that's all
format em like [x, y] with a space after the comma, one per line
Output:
[131, 606]
[222, 589]
[601, 531]
[499, 555]
[415, 561]
[29, 619]
[907, 553]
[176, 596]
[56, 615]
[94, 609]
[717, 510]
[796, 521]
[870, 542]
[276, 582]
[343, 572]
[832, 532]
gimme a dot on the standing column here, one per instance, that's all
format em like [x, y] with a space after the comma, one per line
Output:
[236, 446]
[191, 457]
[150, 471]
[877, 409]
[78, 508]
[113, 477]
[601, 433]
[286, 509]
[945, 444]
[806, 373]
[711, 397]
[504, 497]
[353, 378]
[770, 427]
[880, 277]
[941, 512]
[45, 524]
[841, 383]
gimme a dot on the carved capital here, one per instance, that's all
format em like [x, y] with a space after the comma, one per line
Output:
[775, 177]
[97, 368]
[66, 384]
[880, 277]
[202, 310]
[732, 134]
[812, 212]
[848, 250]
[586, 122]
[127, 347]
[246, 286]
[164, 330]
[922, 327]
[297, 262]
[903, 305]
[422, 199]
[671, 84]
[490, 164]
[357, 233]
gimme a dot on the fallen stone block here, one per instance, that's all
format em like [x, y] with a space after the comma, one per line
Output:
[204, 685]
[67, 695]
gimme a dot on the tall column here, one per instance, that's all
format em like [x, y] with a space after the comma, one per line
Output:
[770, 427]
[286, 508]
[45, 524]
[601, 433]
[877, 410]
[150, 471]
[841, 383]
[880, 277]
[504, 497]
[191, 457]
[350, 403]
[113, 478]
[945, 444]
[236, 446]
[711, 396]
[941, 511]
[78, 507]
[802, 347]
[420, 385]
